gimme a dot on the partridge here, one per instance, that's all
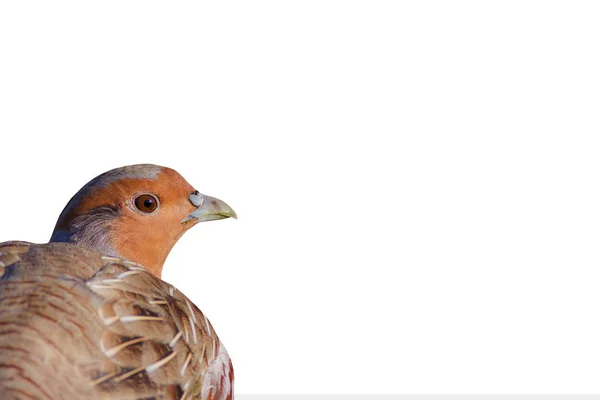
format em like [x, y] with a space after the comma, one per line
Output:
[86, 316]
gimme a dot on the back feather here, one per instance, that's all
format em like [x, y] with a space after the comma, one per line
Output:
[76, 324]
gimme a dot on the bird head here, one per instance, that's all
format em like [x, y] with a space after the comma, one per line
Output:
[137, 212]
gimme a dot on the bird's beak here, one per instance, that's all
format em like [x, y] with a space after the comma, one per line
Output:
[208, 209]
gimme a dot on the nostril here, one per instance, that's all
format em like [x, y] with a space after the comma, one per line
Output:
[196, 199]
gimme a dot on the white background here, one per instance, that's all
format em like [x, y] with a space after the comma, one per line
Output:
[417, 183]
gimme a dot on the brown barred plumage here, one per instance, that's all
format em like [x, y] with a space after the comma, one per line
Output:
[79, 324]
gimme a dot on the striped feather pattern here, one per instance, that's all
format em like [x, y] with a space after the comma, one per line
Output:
[76, 324]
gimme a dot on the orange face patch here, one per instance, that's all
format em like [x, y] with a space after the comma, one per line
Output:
[145, 238]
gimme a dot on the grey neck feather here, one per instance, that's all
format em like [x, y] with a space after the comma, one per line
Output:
[91, 230]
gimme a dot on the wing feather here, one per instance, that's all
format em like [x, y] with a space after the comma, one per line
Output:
[78, 324]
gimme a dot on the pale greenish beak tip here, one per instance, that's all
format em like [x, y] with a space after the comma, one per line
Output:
[209, 209]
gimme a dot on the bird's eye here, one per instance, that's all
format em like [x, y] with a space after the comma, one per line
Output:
[146, 203]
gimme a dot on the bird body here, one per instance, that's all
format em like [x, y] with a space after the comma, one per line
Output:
[82, 318]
